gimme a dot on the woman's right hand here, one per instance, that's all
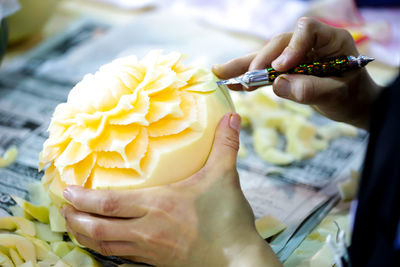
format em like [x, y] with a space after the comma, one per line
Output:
[347, 98]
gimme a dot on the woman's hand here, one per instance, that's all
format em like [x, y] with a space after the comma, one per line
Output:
[202, 221]
[347, 98]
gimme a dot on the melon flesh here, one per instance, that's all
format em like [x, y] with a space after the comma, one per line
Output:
[133, 124]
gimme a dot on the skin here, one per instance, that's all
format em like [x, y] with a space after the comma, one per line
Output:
[205, 220]
[347, 98]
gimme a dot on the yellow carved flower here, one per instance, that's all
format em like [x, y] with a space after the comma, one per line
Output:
[134, 124]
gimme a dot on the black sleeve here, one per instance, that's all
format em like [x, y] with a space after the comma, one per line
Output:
[378, 211]
[378, 3]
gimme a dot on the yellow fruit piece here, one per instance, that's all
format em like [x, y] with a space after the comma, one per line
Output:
[13, 223]
[24, 247]
[28, 264]
[34, 243]
[43, 250]
[44, 232]
[40, 213]
[264, 138]
[17, 211]
[16, 258]
[57, 221]
[261, 97]
[5, 260]
[61, 263]
[62, 248]
[265, 141]
[4, 250]
[299, 136]
[242, 151]
[79, 257]
[319, 144]
[55, 191]
[132, 265]
[335, 130]
[276, 156]
[268, 226]
[262, 110]
[348, 189]
[297, 108]
[128, 123]
[73, 240]
[242, 108]
[9, 157]
[38, 195]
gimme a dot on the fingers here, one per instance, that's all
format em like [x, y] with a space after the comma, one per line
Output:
[116, 203]
[99, 228]
[270, 52]
[114, 248]
[312, 36]
[311, 90]
[253, 61]
[140, 259]
[226, 142]
[234, 68]
[106, 248]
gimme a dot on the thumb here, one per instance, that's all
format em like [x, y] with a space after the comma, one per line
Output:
[309, 90]
[226, 142]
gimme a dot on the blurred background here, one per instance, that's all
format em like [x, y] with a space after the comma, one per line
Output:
[375, 25]
[48, 45]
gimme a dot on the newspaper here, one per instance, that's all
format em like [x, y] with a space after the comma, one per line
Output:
[32, 86]
[342, 155]
[27, 102]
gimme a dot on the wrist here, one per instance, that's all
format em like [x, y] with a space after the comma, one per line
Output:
[253, 251]
[368, 97]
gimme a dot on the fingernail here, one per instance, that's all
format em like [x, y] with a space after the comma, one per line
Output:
[67, 194]
[235, 122]
[283, 87]
[216, 67]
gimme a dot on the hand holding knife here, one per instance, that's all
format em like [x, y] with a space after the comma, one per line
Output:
[334, 66]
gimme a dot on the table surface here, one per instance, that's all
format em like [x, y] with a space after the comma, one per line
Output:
[312, 251]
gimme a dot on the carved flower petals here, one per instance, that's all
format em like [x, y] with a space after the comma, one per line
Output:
[130, 158]
[91, 95]
[115, 138]
[121, 178]
[187, 75]
[119, 88]
[51, 151]
[63, 113]
[78, 173]
[136, 72]
[166, 104]
[49, 175]
[162, 79]
[135, 115]
[87, 127]
[74, 153]
[136, 150]
[169, 126]
[110, 159]
[120, 123]
[170, 60]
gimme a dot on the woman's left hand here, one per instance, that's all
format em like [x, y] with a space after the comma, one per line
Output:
[202, 221]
